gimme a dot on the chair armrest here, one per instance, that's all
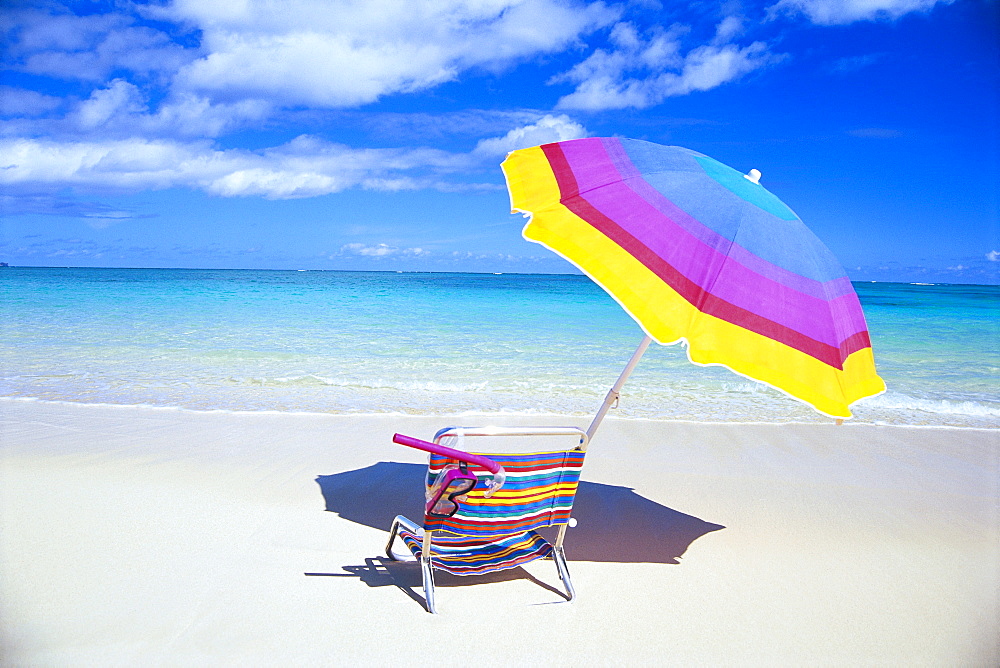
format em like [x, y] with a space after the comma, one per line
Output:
[499, 474]
[439, 449]
[515, 431]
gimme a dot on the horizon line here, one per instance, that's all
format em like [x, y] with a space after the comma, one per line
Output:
[4, 265]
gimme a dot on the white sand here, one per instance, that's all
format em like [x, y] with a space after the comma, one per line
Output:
[135, 536]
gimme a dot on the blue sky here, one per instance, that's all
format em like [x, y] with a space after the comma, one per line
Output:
[367, 134]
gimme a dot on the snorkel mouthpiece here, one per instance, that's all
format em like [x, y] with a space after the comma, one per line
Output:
[499, 478]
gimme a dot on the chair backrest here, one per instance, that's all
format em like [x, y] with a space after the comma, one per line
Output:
[539, 492]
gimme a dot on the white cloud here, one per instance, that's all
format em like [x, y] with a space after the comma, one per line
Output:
[39, 31]
[21, 102]
[709, 66]
[304, 167]
[729, 28]
[381, 250]
[192, 116]
[640, 73]
[318, 53]
[121, 97]
[547, 129]
[466, 122]
[89, 47]
[121, 110]
[993, 256]
[840, 12]
[242, 62]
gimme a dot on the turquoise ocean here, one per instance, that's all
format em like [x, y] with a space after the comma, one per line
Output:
[446, 344]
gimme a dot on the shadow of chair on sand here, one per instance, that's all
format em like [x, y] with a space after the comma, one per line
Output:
[614, 525]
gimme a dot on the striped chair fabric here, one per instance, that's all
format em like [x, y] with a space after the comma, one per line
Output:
[490, 534]
[468, 555]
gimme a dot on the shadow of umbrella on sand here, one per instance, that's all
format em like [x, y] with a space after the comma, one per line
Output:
[615, 523]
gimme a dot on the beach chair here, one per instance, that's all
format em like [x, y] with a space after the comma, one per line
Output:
[483, 511]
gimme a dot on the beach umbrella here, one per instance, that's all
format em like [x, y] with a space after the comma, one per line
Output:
[696, 251]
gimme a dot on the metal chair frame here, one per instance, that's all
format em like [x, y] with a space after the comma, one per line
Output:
[426, 554]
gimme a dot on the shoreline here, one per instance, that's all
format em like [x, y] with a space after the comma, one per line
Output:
[208, 537]
[848, 422]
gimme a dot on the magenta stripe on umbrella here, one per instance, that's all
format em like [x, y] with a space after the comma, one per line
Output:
[704, 266]
[620, 162]
[831, 354]
[700, 264]
[599, 161]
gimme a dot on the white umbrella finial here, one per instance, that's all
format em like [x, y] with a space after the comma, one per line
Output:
[753, 175]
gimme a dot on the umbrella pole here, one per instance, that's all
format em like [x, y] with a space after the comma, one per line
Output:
[613, 393]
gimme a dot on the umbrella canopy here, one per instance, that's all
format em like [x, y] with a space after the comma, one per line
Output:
[694, 250]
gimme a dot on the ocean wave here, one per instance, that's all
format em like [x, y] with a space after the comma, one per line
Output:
[893, 401]
[492, 385]
[733, 402]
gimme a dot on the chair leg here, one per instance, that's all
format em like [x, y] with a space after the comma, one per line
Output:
[393, 532]
[428, 573]
[427, 569]
[559, 556]
[400, 522]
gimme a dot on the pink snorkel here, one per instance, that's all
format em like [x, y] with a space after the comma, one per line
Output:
[499, 475]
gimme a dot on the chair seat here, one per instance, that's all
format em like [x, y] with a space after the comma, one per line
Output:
[469, 555]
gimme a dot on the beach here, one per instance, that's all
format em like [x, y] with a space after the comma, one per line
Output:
[244, 246]
[139, 535]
